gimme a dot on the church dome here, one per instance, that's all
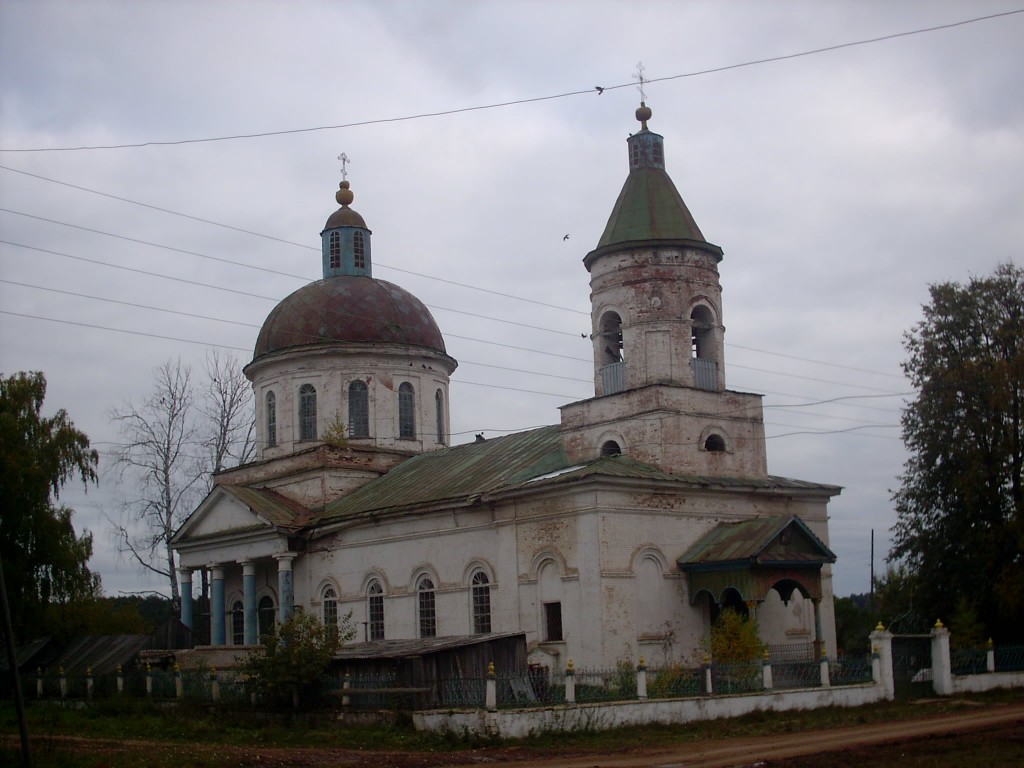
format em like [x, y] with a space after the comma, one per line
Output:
[348, 309]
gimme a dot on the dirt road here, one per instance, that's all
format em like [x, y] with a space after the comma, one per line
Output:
[1004, 720]
[759, 750]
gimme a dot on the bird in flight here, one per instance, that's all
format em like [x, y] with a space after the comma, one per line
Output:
[565, 238]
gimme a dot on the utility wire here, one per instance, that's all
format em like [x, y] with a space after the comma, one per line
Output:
[517, 102]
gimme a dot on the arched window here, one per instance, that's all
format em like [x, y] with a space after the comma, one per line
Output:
[611, 339]
[701, 323]
[610, 448]
[358, 250]
[427, 607]
[714, 444]
[439, 408]
[406, 411]
[330, 605]
[375, 610]
[271, 419]
[358, 409]
[307, 412]
[237, 623]
[334, 250]
[481, 603]
[265, 615]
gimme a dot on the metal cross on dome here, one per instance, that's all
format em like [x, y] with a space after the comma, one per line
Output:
[344, 161]
[639, 77]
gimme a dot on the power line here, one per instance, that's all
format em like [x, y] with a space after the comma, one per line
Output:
[276, 239]
[518, 102]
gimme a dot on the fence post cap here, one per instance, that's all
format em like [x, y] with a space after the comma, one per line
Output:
[177, 669]
[938, 624]
[490, 669]
[570, 668]
[149, 669]
[642, 664]
[119, 670]
[61, 670]
[88, 671]
[880, 627]
[990, 643]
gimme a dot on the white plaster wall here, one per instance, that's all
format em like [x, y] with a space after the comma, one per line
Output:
[331, 369]
[520, 723]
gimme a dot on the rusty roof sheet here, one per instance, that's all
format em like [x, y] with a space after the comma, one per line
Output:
[276, 509]
[348, 309]
[421, 646]
[101, 653]
[770, 540]
[456, 474]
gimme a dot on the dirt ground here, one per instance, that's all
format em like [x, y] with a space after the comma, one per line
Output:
[992, 736]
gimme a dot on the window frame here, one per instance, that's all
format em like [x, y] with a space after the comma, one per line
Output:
[480, 602]
[237, 623]
[406, 411]
[426, 605]
[307, 412]
[375, 610]
[553, 631]
[334, 250]
[358, 398]
[329, 609]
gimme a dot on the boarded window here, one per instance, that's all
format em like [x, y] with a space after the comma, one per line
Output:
[271, 419]
[439, 408]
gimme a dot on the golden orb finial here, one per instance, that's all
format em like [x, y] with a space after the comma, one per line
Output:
[344, 195]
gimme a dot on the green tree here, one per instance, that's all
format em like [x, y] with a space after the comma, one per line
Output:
[856, 617]
[44, 560]
[734, 638]
[960, 505]
[295, 656]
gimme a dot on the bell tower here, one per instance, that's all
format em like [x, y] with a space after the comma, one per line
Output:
[658, 336]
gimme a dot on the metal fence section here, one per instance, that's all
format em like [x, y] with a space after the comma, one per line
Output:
[796, 674]
[850, 669]
[740, 677]
[673, 682]
[968, 661]
[615, 684]
[783, 652]
[1009, 658]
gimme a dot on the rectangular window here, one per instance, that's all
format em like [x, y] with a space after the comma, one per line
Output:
[428, 614]
[552, 621]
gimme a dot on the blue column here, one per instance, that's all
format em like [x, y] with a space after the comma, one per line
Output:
[185, 589]
[249, 602]
[285, 587]
[217, 624]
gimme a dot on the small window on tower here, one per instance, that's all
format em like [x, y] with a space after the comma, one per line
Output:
[359, 250]
[610, 448]
[334, 250]
[714, 444]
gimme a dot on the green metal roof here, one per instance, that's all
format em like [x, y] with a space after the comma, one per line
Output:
[456, 474]
[774, 540]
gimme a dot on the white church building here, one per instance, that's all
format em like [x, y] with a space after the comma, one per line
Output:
[618, 533]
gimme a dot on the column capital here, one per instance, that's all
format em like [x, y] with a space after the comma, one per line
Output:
[248, 567]
[216, 572]
[184, 574]
[284, 560]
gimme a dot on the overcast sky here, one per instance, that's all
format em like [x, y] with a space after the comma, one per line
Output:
[840, 185]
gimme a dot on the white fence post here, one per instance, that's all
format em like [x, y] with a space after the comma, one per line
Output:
[766, 672]
[120, 679]
[570, 683]
[708, 686]
[641, 680]
[942, 669]
[88, 683]
[881, 644]
[491, 696]
[63, 683]
[346, 683]
[990, 657]
[149, 680]
[826, 682]
[214, 685]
